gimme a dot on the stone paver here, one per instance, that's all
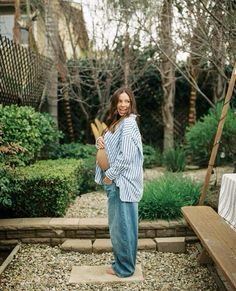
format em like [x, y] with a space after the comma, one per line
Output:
[171, 244]
[166, 244]
[146, 244]
[102, 246]
[79, 245]
[91, 223]
[97, 274]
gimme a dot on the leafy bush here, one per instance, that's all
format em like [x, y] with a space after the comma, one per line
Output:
[74, 151]
[152, 157]
[80, 151]
[29, 129]
[88, 174]
[6, 176]
[164, 197]
[174, 159]
[46, 188]
[200, 137]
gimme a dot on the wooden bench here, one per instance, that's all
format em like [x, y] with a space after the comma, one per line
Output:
[216, 236]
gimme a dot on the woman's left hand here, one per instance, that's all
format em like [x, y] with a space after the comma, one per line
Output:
[107, 181]
[100, 142]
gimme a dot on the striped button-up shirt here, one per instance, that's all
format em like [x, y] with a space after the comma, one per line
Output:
[125, 155]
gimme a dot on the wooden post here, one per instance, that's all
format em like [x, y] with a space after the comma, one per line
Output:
[218, 135]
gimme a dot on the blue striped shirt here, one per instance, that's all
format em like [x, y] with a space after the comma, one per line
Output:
[125, 155]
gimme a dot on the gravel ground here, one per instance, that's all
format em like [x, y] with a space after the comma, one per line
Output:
[43, 268]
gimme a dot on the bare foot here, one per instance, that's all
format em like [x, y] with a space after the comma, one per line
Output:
[110, 271]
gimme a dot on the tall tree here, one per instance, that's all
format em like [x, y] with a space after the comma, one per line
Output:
[197, 50]
[218, 54]
[16, 28]
[51, 23]
[204, 31]
[167, 71]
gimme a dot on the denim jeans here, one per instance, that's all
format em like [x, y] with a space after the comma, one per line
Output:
[123, 229]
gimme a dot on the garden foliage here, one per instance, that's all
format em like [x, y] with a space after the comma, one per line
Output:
[200, 137]
[164, 197]
[30, 130]
[174, 159]
[6, 186]
[80, 151]
[45, 188]
[152, 157]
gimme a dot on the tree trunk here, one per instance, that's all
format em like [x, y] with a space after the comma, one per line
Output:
[167, 73]
[126, 58]
[51, 22]
[16, 28]
[218, 56]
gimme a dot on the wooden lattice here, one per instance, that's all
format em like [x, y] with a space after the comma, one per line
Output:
[23, 74]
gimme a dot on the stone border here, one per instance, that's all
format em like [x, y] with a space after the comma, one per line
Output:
[55, 231]
[9, 258]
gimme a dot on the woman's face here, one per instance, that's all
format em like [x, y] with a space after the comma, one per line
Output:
[123, 104]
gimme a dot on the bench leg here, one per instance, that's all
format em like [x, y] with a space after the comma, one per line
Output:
[204, 258]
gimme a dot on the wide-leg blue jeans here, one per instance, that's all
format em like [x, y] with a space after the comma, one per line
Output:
[123, 229]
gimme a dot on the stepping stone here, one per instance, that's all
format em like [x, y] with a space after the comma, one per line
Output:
[146, 244]
[102, 245]
[171, 244]
[97, 274]
[78, 245]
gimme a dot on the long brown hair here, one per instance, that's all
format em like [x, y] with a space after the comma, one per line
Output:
[114, 117]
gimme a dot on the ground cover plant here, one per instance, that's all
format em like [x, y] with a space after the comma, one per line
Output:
[152, 156]
[174, 159]
[164, 197]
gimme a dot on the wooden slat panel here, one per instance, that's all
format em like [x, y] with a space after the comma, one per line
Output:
[218, 238]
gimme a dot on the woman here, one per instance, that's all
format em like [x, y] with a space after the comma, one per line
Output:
[123, 180]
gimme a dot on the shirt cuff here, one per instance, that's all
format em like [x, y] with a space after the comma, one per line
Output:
[109, 175]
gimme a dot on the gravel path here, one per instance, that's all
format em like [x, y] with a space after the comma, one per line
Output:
[43, 268]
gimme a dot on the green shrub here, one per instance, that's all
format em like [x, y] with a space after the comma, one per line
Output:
[164, 197]
[80, 151]
[46, 188]
[6, 176]
[74, 151]
[152, 157]
[174, 159]
[29, 129]
[200, 137]
[88, 174]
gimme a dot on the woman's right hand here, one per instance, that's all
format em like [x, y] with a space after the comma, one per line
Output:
[100, 142]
